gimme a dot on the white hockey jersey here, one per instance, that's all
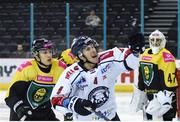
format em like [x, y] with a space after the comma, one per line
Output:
[96, 85]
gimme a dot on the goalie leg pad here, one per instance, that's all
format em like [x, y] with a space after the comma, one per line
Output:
[139, 99]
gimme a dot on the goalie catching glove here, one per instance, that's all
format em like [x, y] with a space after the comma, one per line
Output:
[160, 104]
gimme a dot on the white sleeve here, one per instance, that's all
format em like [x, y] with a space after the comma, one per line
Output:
[125, 55]
[62, 87]
[132, 61]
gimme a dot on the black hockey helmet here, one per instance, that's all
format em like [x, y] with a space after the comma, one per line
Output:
[40, 44]
[80, 43]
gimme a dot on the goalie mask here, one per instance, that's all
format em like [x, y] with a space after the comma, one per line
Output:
[157, 41]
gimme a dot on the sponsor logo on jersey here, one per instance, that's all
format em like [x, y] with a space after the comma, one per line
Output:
[168, 57]
[147, 58]
[71, 71]
[103, 70]
[81, 84]
[45, 78]
[99, 95]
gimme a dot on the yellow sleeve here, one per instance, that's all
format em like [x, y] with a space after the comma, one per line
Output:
[168, 67]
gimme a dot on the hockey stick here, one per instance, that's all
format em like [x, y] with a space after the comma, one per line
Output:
[23, 118]
[98, 113]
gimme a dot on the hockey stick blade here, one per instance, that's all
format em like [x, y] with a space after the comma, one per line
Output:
[98, 113]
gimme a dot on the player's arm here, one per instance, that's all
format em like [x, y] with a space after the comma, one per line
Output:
[136, 46]
[16, 90]
[16, 95]
[62, 96]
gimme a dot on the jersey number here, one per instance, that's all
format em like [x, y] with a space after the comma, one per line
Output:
[171, 77]
[95, 80]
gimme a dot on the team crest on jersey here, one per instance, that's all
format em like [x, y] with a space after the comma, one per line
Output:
[99, 95]
[82, 83]
[38, 94]
[147, 72]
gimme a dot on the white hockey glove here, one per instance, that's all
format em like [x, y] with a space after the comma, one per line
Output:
[165, 97]
[160, 104]
[139, 99]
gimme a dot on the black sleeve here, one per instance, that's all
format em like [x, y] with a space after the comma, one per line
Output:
[17, 92]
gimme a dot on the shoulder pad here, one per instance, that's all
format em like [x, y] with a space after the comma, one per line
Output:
[71, 70]
[62, 64]
[106, 55]
[24, 65]
[168, 57]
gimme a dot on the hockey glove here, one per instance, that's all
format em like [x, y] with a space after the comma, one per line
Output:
[137, 43]
[24, 111]
[80, 104]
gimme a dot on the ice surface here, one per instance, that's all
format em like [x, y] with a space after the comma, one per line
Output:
[123, 100]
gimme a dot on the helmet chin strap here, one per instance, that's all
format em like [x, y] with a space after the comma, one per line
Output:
[87, 61]
[40, 63]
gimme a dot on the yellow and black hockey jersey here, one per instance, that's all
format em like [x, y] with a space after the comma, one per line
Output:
[157, 71]
[32, 85]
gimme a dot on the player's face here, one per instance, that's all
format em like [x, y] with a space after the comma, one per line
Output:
[90, 53]
[46, 56]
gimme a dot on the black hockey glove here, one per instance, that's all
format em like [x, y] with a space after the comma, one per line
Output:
[68, 117]
[136, 43]
[80, 105]
[24, 112]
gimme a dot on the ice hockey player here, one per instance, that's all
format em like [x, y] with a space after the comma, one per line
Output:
[157, 81]
[67, 57]
[31, 87]
[88, 85]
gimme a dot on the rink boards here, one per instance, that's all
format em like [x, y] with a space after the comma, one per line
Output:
[125, 81]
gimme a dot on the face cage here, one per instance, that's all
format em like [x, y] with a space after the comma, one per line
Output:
[155, 42]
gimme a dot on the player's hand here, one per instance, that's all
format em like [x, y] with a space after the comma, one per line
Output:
[80, 105]
[136, 43]
[24, 112]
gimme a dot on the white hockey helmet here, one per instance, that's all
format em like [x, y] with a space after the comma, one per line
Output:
[157, 41]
